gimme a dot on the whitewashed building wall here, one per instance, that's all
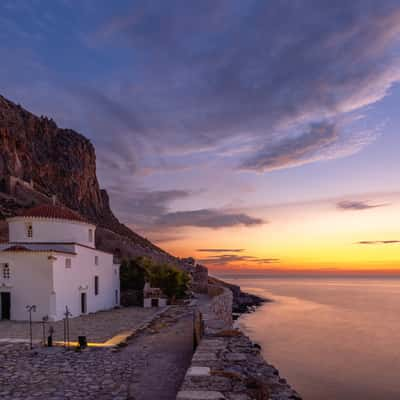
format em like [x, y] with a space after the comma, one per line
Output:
[56, 231]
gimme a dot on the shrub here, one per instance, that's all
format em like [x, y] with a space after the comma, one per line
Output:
[172, 281]
[132, 275]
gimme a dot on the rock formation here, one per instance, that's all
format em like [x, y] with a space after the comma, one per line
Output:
[39, 160]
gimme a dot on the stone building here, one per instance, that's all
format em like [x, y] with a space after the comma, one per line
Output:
[153, 297]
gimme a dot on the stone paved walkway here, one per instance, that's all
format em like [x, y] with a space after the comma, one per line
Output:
[150, 366]
[97, 327]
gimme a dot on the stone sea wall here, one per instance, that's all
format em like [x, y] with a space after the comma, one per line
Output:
[226, 364]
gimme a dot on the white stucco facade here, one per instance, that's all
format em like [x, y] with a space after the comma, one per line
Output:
[53, 263]
[57, 231]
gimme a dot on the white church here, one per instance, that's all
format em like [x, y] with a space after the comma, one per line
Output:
[51, 262]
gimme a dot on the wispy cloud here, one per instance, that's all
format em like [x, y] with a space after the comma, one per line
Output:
[321, 141]
[357, 205]
[283, 67]
[207, 218]
[221, 250]
[163, 78]
[226, 259]
[378, 242]
[293, 151]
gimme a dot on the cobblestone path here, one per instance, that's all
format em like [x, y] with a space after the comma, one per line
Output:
[97, 327]
[151, 366]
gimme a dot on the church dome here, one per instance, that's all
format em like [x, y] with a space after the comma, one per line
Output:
[52, 212]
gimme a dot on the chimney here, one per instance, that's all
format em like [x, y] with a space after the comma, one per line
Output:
[54, 199]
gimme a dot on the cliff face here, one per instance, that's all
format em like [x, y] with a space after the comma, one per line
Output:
[39, 160]
[58, 161]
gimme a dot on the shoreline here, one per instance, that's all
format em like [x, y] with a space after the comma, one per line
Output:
[253, 302]
[227, 364]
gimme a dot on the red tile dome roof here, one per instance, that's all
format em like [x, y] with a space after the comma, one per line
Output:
[53, 212]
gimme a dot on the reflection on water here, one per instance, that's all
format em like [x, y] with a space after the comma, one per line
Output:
[332, 338]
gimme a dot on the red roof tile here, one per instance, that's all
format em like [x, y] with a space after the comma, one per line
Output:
[51, 211]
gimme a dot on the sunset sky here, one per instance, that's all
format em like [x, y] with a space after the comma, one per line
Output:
[248, 134]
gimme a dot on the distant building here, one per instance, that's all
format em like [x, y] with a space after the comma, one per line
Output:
[153, 297]
[51, 262]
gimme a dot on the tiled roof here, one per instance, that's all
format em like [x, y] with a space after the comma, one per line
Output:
[52, 211]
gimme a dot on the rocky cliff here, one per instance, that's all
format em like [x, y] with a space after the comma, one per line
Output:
[39, 160]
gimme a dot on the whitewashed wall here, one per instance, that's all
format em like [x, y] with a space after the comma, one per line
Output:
[69, 283]
[30, 283]
[50, 230]
[50, 285]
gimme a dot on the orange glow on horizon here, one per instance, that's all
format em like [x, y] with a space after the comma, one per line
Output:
[306, 237]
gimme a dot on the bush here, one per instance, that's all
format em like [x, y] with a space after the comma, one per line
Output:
[172, 281]
[132, 275]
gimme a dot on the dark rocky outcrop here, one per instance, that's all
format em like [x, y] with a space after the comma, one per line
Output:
[242, 302]
[38, 160]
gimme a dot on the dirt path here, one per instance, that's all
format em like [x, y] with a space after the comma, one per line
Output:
[166, 348]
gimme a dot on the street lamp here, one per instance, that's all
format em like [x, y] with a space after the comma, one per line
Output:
[30, 309]
[44, 320]
[67, 314]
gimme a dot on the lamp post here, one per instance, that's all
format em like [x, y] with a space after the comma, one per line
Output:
[30, 309]
[67, 314]
[44, 320]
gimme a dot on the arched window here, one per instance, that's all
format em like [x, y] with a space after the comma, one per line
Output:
[6, 271]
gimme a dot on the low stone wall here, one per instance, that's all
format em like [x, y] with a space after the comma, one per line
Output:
[200, 279]
[226, 364]
[218, 313]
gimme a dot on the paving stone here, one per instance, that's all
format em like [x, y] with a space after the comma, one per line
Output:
[235, 357]
[204, 357]
[199, 395]
[198, 371]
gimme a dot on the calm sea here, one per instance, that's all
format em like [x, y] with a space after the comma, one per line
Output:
[332, 338]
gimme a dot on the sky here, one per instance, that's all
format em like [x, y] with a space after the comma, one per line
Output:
[256, 135]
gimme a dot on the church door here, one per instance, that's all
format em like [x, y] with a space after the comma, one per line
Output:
[154, 302]
[83, 303]
[5, 305]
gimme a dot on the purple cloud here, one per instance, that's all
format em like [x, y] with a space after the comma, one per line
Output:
[207, 218]
[357, 205]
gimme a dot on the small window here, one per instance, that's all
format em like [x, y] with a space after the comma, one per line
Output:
[96, 260]
[6, 271]
[116, 297]
[29, 230]
[96, 285]
[115, 272]
[68, 263]
[90, 235]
